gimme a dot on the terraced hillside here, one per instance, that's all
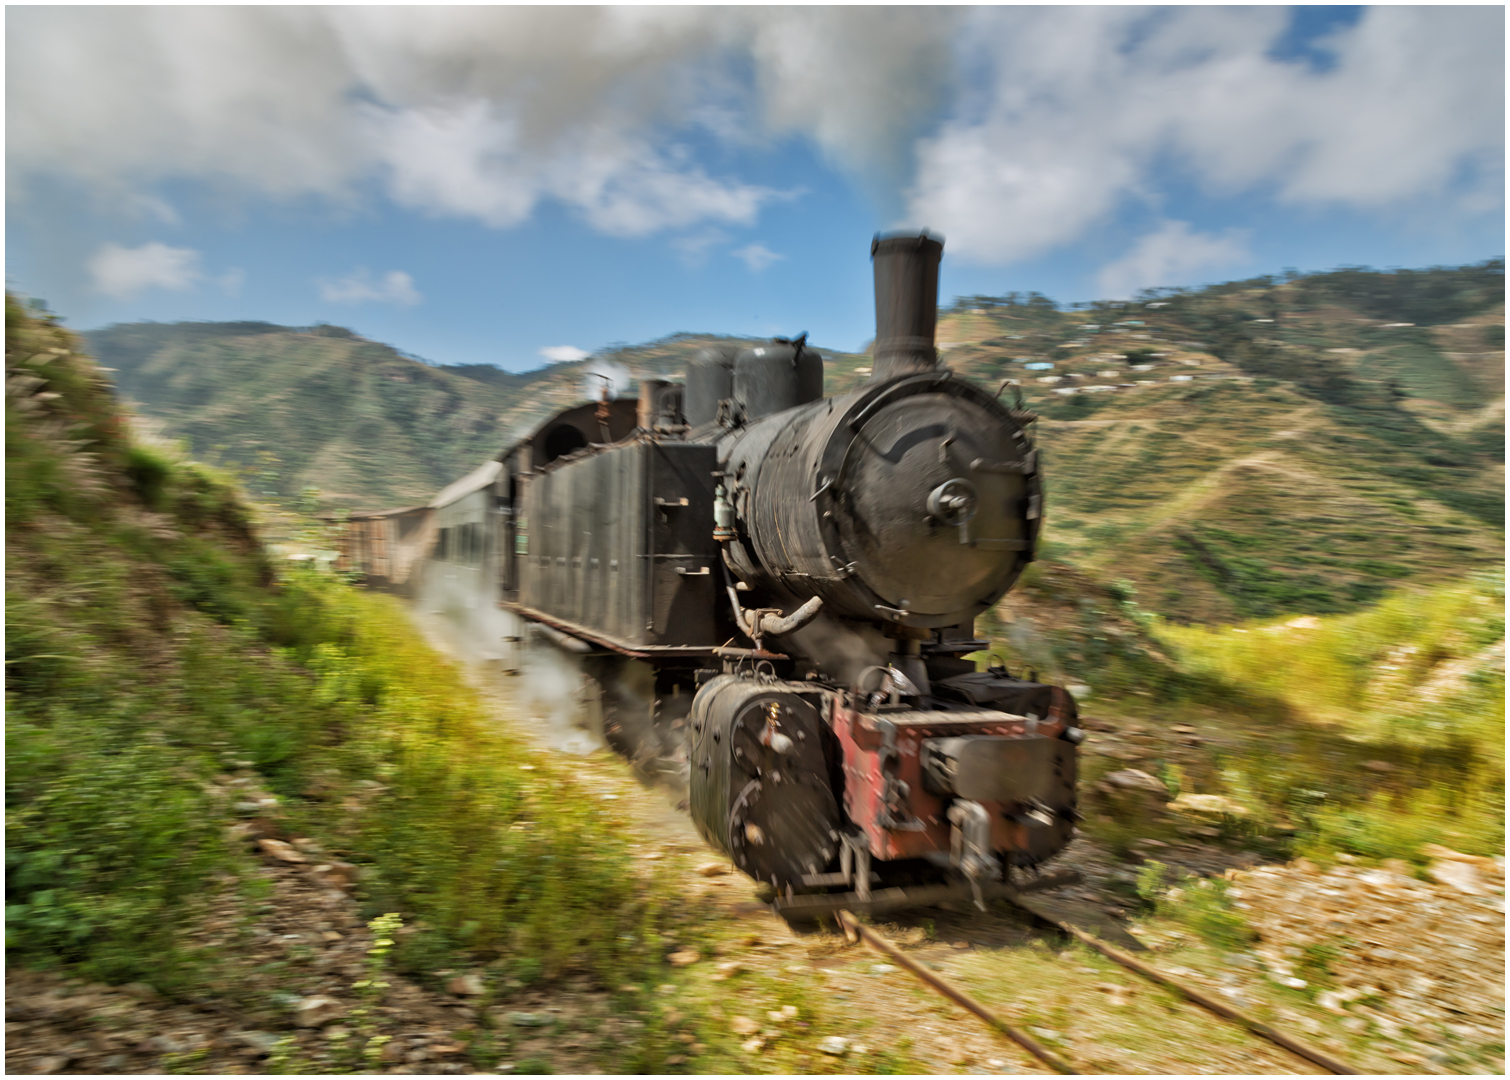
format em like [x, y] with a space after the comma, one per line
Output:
[1263, 447]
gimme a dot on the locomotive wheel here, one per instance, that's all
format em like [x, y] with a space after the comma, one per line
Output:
[653, 745]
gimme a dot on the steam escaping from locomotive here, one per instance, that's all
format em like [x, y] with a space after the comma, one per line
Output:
[774, 596]
[600, 375]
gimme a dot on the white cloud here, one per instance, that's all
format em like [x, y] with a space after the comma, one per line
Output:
[1012, 130]
[478, 113]
[1169, 256]
[859, 81]
[757, 256]
[395, 287]
[453, 163]
[1085, 108]
[564, 354]
[120, 271]
[150, 206]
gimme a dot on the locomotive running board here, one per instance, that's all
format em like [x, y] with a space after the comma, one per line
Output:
[591, 637]
[813, 905]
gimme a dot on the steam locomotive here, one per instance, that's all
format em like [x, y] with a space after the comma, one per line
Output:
[776, 592]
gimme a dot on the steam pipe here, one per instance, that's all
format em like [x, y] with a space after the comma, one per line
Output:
[739, 615]
[760, 623]
[771, 624]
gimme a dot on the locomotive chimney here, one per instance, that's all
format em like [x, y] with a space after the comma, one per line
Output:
[907, 296]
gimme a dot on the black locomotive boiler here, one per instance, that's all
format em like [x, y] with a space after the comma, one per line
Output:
[777, 590]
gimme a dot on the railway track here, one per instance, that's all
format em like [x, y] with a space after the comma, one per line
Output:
[855, 931]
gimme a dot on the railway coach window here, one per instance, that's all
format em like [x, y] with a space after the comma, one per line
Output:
[443, 544]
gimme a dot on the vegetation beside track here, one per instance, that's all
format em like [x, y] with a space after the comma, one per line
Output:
[1370, 733]
[151, 646]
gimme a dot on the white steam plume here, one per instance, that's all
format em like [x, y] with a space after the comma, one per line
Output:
[550, 694]
[599, 373]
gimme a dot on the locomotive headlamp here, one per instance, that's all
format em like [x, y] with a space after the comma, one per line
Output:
[953, 502]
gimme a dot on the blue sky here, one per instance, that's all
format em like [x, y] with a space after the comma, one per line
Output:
[505, 185]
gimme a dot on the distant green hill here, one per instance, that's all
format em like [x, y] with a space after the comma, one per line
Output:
[321, 407]
[1250, 449]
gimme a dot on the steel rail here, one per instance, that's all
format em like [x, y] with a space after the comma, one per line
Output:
[854, 929]
[1258, 1027]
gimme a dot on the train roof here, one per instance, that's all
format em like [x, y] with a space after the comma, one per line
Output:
[623, 412]
[367, 515]
[479, 478]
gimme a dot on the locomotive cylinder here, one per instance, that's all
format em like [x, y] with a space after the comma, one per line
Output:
[907, 291]
[760, 787]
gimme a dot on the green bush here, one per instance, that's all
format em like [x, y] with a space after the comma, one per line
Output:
[108, 842]
[1203, 906]
[149, 472]
[1367, 672]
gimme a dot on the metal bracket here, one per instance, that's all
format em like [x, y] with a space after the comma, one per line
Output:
[970, 845]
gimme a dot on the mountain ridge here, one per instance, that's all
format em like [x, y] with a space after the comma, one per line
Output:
[1252, 448]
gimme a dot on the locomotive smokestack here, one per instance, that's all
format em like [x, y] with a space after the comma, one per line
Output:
[907, 297]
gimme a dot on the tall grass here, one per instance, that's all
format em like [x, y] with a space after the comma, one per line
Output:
[492, 844]
[150, 648]
[1387, 729]
[1423, 667]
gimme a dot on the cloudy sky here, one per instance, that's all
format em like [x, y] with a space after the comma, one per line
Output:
[516, 185]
